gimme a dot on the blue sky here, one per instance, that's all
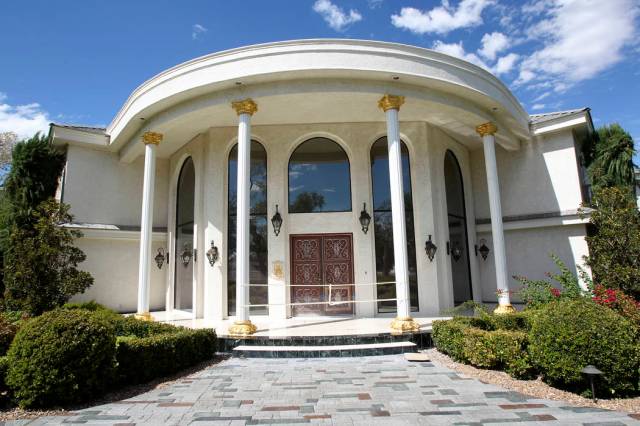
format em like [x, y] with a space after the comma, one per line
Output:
[77, 61]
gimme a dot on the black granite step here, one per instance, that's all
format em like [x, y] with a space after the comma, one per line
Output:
[421, 339]
[323, 351]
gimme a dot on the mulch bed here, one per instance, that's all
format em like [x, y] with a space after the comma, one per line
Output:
[15, 413]
[535, 388]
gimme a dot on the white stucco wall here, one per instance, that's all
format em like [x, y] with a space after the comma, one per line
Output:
[102, 189]
[541, 177]
[113, 263]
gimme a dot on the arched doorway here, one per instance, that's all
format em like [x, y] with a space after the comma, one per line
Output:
[183, 258]
[457, 246]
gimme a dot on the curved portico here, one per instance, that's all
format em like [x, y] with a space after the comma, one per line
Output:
[412, 138]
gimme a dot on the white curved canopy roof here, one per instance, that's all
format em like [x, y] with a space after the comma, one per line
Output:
[316, 81]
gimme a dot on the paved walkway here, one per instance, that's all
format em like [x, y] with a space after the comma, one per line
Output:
[384, 390]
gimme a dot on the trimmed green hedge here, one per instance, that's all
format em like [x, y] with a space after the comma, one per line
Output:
[61, 357]
[569, 335]
[141, 359]
[488, 341]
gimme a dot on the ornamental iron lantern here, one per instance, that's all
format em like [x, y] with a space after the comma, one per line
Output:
[483, 249]
[365, 218]
[213, 254]
[186, 254]
[456, 252]
[160, 258]
[276, 221]
[591, 372]
[430, 248]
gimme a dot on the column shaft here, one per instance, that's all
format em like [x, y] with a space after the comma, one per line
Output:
[146, 224]
[242, 217]
[497, 231]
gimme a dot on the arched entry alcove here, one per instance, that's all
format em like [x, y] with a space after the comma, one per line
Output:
[458, 246]
[183, 258]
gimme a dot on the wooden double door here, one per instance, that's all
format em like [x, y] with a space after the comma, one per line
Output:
[318, 260]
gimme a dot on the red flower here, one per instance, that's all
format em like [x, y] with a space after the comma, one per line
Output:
[555, 292]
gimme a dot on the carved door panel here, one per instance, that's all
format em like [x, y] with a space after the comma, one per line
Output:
[317, 260]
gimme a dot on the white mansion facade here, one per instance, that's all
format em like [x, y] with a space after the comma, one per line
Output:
[281, 179]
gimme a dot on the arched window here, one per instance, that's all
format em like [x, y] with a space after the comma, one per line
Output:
[258, 261]
[458, 242]
[185, 196]
[383, 227]
[319, 178]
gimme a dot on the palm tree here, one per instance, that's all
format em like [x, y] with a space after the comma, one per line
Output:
[613, 160]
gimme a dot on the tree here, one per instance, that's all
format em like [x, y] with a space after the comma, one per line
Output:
[610, 155]
[614, 246]
[41, 262]
[307, 202]
[7, 142]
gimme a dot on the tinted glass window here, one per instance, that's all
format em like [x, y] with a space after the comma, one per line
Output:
[319, 178]
[383, 226]
[183, 291]
[258, 260]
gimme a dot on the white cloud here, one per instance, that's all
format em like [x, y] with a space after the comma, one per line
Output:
[492, 44]
[197, 30]
[335, 16]
[374, 4]
[579, 39]
[505, 63]
[457, 50]
[24, 120]
[537, 107]
[441, 19]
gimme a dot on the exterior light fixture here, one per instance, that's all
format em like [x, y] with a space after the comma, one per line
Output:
[160, 257]
[186, 254]
[213, 254]
[591, 372]
[276, 221]
[483, 249]
[365, 218]
[456, 252]
[431, 249]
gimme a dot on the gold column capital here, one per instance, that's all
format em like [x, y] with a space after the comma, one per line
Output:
[487, 128]
[388, 102]
[246, 106]
[153, 138]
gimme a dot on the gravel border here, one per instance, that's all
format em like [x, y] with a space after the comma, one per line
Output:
[17, 413]
[535, 388]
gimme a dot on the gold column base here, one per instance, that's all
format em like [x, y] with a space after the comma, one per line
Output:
[242, 328]
[145, 316]
[404, 325]
[504, 309]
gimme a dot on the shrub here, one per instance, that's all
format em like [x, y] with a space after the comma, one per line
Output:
[61, 357]
[41, 262]
[8, 331]
[448, 336]
[4, 366]
[140, 359]
[619, 302]
[568, 335]
[498, 349]
[537, 293]
[614, 247]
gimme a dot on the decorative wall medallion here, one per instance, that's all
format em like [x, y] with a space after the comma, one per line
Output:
[278, 270]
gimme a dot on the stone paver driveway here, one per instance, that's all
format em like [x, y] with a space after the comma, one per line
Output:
[385, 390]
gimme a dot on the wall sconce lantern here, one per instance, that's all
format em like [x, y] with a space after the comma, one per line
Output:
[276, 221]
[483, 249]
[186, 254]
[213, 254]
[160, 257]
[431, 249]
[365, 218]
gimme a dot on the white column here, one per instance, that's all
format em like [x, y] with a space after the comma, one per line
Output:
[150, 140]
[487, 132]
[243, 325]
[391, 106]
